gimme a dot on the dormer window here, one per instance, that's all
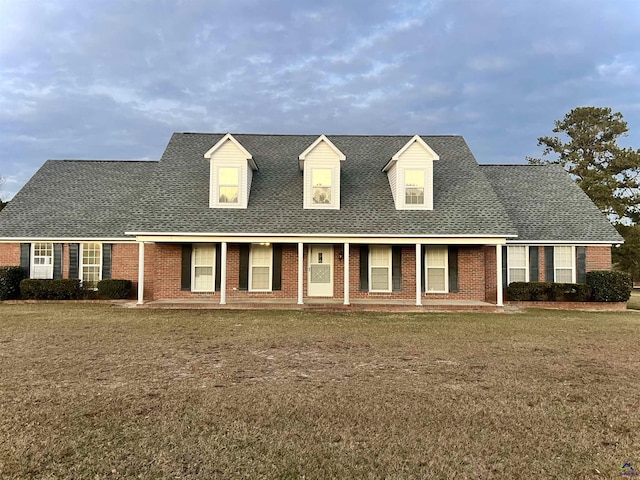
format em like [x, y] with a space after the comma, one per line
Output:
[320, 164]
[414, 187]
[321, 182]
[228, 185]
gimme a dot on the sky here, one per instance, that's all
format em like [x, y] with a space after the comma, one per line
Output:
[109, 79]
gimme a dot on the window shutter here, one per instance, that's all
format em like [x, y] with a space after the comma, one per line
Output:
[548, 264]
[423, 252]
[243, 275]
[74, 260]
[396, 268]
[364, 268]
[106, 261]
[505, 267]
[581, 264]
[57, 260]
[276, 281]
[25, 259]
[534, 274]
[453, 269]
[185, 271]
[218, 256]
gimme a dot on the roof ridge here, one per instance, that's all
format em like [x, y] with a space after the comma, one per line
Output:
[327, 134]
[87, 160]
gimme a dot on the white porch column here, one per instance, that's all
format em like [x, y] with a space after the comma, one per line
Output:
[223, 273]
[140, 273]
[346, 273]
[499, 275]
[418, 275]
[300, 273]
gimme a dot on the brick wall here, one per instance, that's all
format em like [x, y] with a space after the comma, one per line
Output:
[599, 258]
[490, 274]
[9, 254]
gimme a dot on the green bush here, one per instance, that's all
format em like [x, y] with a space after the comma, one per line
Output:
[114, 289]
[10, 278]
[609, 286]
[545, 291]
[59, 289]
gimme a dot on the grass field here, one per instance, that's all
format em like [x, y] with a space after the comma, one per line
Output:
[93, 391]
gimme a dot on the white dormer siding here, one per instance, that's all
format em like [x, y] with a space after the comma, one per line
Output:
[230, 174]
[410, 174]
[320, 164]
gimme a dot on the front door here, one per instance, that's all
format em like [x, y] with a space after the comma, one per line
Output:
[320, 271]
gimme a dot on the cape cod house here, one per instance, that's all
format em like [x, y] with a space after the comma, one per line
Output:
[297, 217]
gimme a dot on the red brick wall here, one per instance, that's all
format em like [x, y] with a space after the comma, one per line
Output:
[598, 258]
[490, 274]
[9, 254]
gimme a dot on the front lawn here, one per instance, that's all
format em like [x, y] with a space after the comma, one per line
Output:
[93, 391]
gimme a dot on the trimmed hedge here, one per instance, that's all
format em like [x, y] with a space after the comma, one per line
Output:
[548, 292]
[10, 278]
[59, 289]
[609, 286]
[114, 289]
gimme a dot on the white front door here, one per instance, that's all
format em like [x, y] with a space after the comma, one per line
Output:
[320, 271]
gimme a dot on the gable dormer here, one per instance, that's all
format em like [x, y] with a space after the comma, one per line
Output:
[230, 173]
[320, 164]
[410, 174]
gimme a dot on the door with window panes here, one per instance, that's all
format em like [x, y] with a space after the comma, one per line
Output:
[320, 271]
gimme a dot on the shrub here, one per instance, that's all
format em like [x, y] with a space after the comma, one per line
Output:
[59, 289]
[545, 291]
[609, 286]
[10, 278]
[114, 289]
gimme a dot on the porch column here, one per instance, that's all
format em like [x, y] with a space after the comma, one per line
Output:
[140, 273]
[300, 273]
[346, 273]
[223, 273]
[499, 275]
[418, 275]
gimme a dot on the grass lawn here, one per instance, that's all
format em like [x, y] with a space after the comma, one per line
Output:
[93, 391]
[634, 301]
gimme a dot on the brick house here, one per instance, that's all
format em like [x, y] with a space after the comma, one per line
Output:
[299, 217]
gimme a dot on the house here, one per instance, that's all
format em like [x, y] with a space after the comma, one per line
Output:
[296, 217]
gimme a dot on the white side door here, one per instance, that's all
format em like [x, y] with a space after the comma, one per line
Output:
[320, 272]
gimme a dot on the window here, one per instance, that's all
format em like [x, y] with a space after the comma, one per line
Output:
[203, 274]
[517, 260]
[564, 264]
[380, 269]
[42, 264]
[435, 261]
[260, 268]
[91, 264]
[228, 184]
[321, 186]
[414, 187]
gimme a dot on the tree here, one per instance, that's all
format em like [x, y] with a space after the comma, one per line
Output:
[627, 256]
[589, 151]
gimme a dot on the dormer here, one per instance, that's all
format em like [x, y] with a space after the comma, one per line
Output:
[320, 164]
[231, 169]
[410, 174]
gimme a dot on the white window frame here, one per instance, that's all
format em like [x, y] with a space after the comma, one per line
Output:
[573, 263]
[446, 268]
[220, 185]
[526, 262]
[33, 263]
[82, 264]
[330, 187]
[197, 246]
[389, 267]
[424, 186]
[270, 266]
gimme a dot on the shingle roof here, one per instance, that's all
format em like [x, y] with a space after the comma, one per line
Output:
[177, 199]
[544, 203]
[77, 198]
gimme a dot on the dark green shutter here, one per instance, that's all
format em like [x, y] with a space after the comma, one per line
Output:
[185, 270]
[74, 260]
[25, 259]
[423, 253]
[453, 269]
[581, 264]
[57, 260]
[243, 274]
[534, 273]
[106, 260]
[276, 280]
[396, 268]
[548, 264]
[218, 280]
[364, 268]
[505, 267]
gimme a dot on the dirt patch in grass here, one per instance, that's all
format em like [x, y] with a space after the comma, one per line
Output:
[92, 391]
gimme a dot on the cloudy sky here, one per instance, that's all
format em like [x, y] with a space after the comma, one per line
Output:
[107, 79]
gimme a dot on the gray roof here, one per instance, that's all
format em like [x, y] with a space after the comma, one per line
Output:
[545, 203]
[177, 199]
[77, 198]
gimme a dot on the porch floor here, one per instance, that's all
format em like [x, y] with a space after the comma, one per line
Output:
[328, 304]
